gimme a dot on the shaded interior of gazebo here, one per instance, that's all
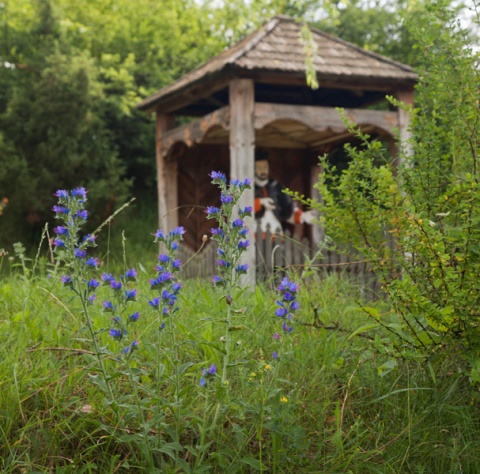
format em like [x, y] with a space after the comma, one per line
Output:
[254, 95]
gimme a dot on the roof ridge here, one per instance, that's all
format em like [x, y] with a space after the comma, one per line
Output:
[257, 36]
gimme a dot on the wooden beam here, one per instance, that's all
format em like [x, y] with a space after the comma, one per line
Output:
[321, 119]
[330, 82]
[242, 148]
[176, 96]
[193, 132]
[318, 119]
[164, 122]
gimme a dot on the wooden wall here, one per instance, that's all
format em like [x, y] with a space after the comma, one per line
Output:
[195, 190]
[290, 167]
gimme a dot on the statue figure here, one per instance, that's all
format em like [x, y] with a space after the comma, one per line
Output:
[274, 208]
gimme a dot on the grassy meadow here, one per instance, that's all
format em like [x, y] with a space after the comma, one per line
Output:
[331, 403]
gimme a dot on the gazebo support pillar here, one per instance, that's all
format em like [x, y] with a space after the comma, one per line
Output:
[166, 178]
[404, 147]
[242, 149]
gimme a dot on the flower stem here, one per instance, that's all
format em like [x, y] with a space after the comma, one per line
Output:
[93, 338]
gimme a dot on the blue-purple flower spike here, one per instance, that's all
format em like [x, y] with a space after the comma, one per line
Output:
[287, 304]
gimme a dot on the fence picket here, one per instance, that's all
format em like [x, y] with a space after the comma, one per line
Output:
[276, 251]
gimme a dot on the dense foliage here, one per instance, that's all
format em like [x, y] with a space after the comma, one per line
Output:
[71, 73]
[419, 222]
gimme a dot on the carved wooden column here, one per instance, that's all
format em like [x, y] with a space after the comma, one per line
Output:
[404, 147]
[242, 149]
[166, 183]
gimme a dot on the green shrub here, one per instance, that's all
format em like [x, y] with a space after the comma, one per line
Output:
[420, 222]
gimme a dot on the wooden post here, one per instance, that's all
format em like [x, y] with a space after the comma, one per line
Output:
[242, 148]
[318, 231]
[164, 122]
[405, 148]
[171, 167]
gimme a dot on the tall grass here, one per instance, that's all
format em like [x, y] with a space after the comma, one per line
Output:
[327, 397]
[341, 414]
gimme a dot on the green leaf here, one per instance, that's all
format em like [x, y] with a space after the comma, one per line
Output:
[254, 463]
[237, 328]
[372, 312]
[170, 449]
[365, 328]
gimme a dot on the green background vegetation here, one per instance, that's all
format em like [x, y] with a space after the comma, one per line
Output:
[384, 386]
[72, 71]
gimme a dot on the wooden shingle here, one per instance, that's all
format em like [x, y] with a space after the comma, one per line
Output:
[276, 50]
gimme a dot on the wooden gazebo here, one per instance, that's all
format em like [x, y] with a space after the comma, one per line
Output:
[255, 95]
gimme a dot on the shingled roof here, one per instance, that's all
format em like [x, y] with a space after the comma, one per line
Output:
[277, 48]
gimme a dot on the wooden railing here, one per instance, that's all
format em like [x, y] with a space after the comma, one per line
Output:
[278, 253]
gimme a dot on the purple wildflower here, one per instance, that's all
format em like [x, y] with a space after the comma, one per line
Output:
[61, 194]
[286, 285]
[178, 231]
[116, 333]
[218, 176]
[226, 198]
[90, 238]
[130, 295]
[161, 280]
[93, 262]
[212, 211]
[247, 211]
[79, 192]
[243, 244]
[130, 348]
[91, 299]
[61, 230]
[286, 328]
[212, 370]
[242, 268]
[287, 296]
[116, 285]
[106, 278]
[217, 280]
[82, 214]
[131, 275]
[67, 280]
[59, 243]
[80, 253]
[237, 223]
[60, 210]
[93, 284]
[155, 303]
[107, 306]
[134, 317]
[163, 258]
[216, 231]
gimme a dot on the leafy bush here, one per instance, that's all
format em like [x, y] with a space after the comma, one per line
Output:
[419, 222]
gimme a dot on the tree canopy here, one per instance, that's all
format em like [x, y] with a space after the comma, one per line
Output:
[72, 71]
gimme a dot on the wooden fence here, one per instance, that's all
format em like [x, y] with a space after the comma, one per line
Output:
[277, 253]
